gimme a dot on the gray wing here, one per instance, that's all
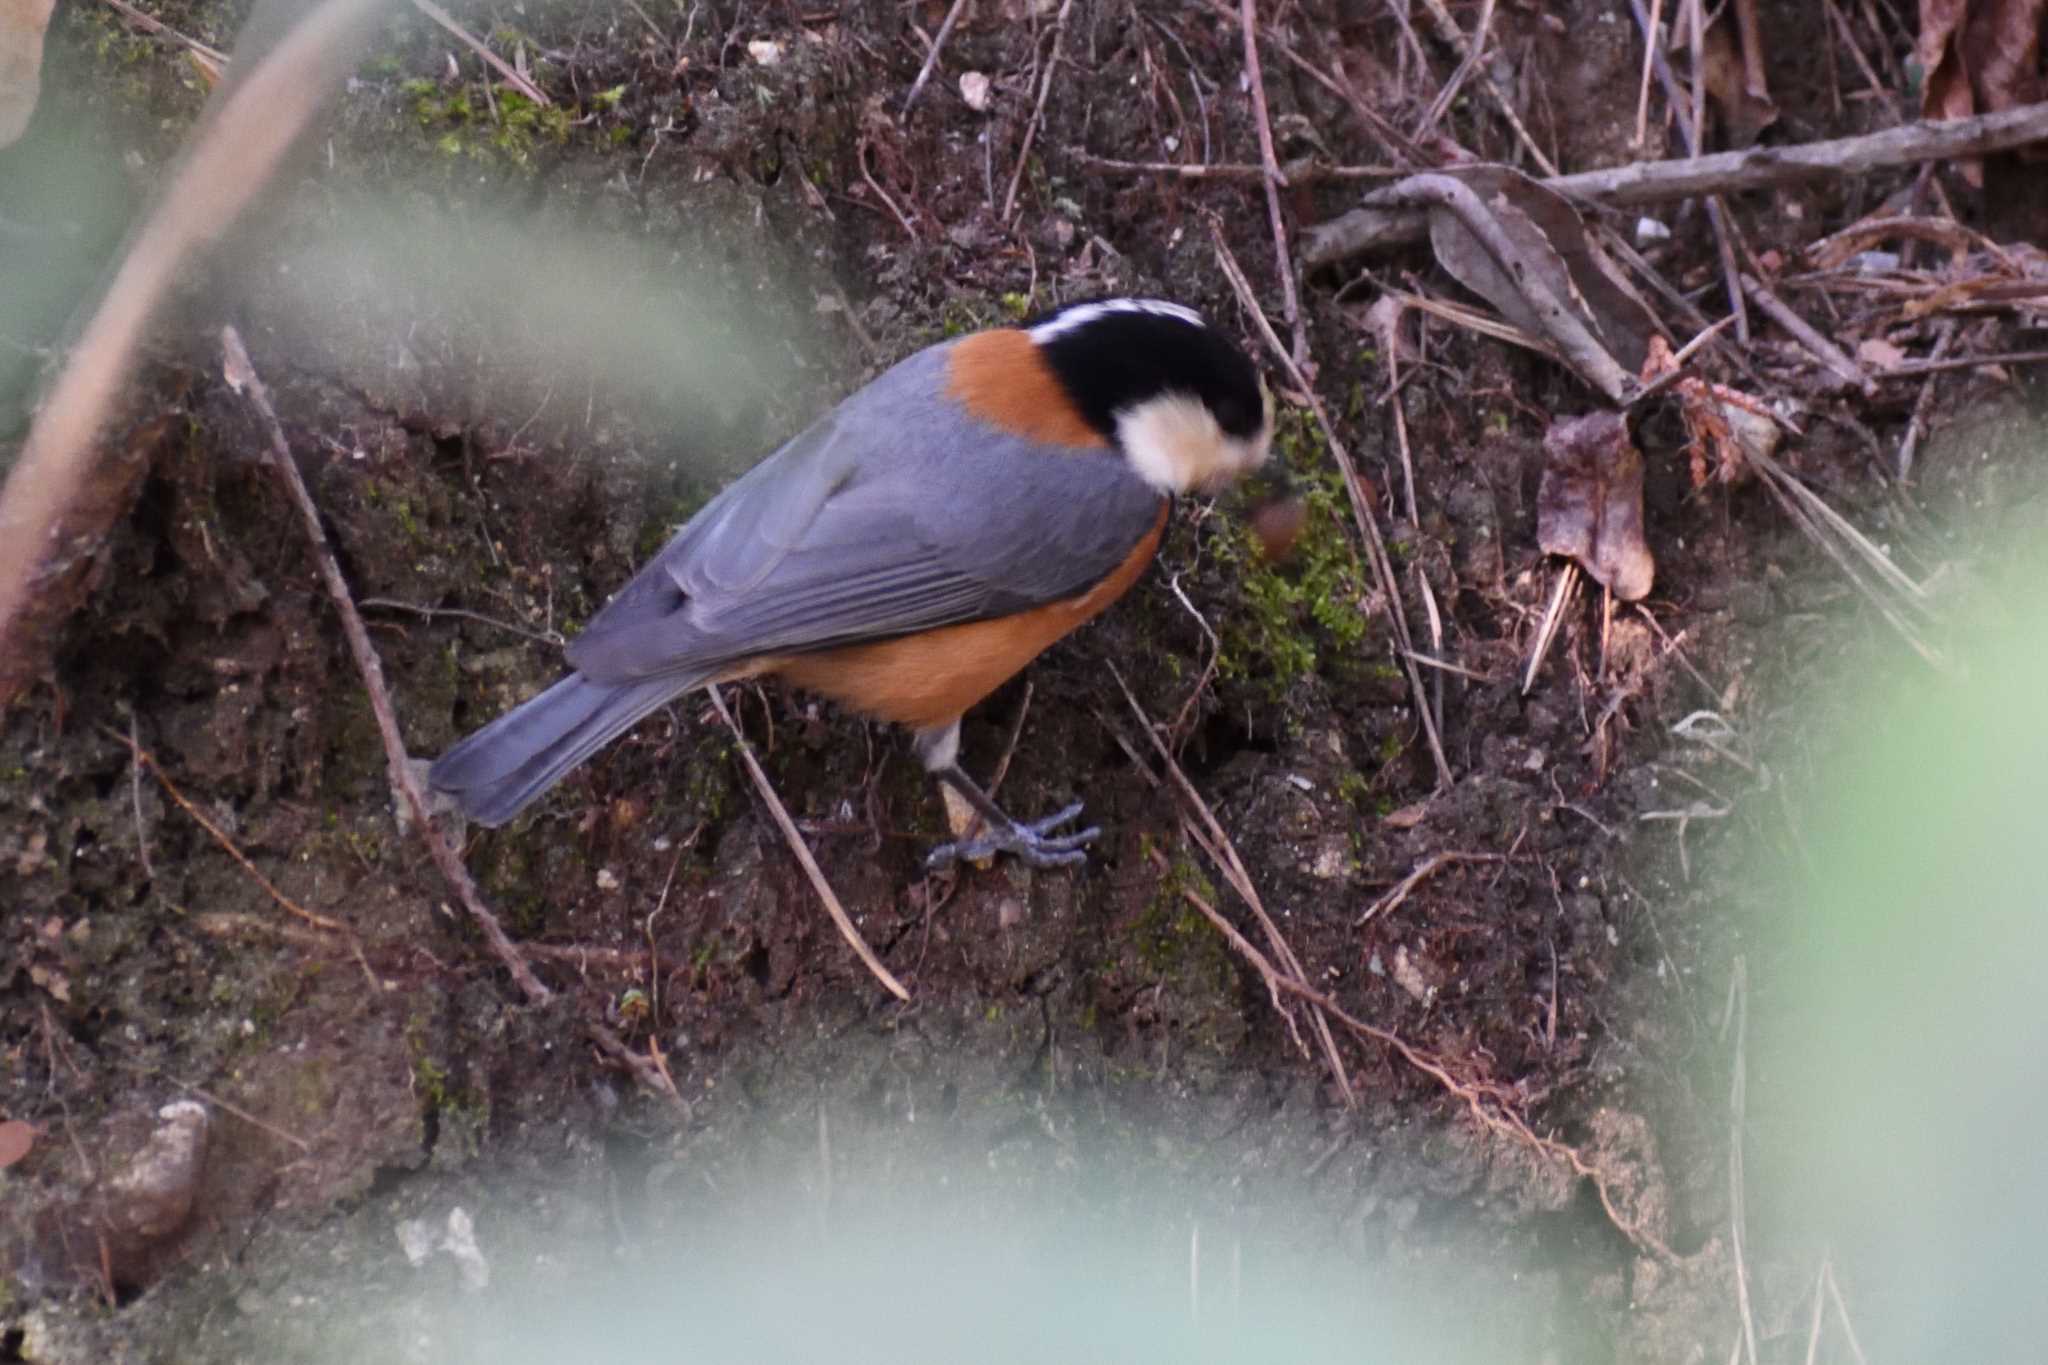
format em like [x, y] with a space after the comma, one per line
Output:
[893, 514]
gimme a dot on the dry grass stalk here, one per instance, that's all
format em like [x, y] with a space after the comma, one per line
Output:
[1205, 831]
[840, 919]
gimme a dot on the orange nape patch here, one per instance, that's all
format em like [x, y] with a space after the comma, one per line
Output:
[928, 680]
[1002, 378]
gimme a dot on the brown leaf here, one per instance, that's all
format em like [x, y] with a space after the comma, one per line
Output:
[1408, 817]
[1590, 504]
[1735, 84]
[1980, 56]
[1550, 232]
[21, 63]
[2001, 49]
[17, 1140]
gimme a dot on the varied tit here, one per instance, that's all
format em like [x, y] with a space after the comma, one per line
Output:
[912, 550]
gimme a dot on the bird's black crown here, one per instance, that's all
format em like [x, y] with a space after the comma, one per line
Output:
[1112, 355]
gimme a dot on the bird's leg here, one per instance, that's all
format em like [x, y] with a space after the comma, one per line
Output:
[1034, 843]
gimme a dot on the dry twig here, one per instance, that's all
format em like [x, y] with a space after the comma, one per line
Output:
[931, 58]
[210, 56]
[1223, 853]
[143, 758]
[491, 59]
[1823, 350]
[1653, 182]
[1059, 33]
[1917, 423]
[1424, 870]
[1468, 53]
[1300, 171]
[242, 377]
[840, 919]
[1270, 163]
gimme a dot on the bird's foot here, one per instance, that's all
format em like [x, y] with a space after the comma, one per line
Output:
[1034, 844]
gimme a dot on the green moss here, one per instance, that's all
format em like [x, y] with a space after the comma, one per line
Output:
[506, 127]
[1169, 936]
[1304, 614]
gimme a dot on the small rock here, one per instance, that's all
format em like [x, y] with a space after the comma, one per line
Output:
[974, 88]
[1409, 977]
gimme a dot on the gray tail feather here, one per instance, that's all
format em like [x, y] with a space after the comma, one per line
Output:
[504, 767]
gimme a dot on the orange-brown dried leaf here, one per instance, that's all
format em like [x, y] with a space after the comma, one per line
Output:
[1550, 231]
[1590, 503]
[1980, 56]
[1725, 429]
[17, 1140]
[2001, 49]
[1733, 81]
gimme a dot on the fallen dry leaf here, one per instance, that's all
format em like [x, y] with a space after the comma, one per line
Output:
[1980, 56]
[1734, 81]
[1557, 256]
[1725, 428]
[1408, 817]
[1590, 504]
[17, 1140]
[21, 63]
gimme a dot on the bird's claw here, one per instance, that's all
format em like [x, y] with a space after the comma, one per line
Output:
[1033, 844]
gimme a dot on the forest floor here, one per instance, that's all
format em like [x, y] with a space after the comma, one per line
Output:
[513, 344]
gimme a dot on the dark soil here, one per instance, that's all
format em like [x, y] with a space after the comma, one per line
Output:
[513, 348]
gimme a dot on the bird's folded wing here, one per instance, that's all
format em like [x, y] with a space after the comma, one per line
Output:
[839, 538]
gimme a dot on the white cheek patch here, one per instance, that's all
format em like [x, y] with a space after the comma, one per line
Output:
[1074, 319]
[1174, 443]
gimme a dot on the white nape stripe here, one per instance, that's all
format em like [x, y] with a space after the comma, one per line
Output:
[1081, 315]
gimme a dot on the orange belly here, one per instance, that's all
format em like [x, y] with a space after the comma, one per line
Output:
[927, 680]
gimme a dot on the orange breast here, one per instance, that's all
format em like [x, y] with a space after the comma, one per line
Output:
[928, 680]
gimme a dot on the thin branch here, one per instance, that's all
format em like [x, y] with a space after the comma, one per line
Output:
[550, 637]
[931, 58]
[1470, 54]
[491, 59]
[1300, 171]
[242, 377]
[1764, 167]
[1823, 350]
[840, 919]
[1934, 365]
[1909, 443]
[1217, 844]
[1059, 33]
[1447, 29]
[1426, 869]
[143, 758]
[157, 27]
[1284, 259]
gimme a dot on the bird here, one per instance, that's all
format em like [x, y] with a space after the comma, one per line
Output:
[912, 550]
